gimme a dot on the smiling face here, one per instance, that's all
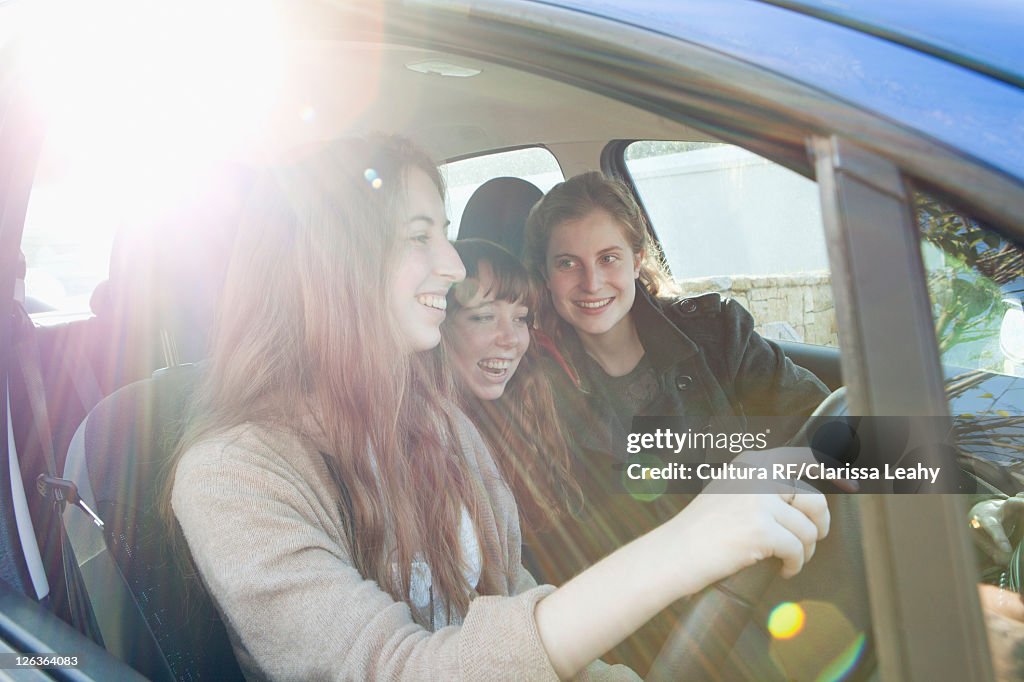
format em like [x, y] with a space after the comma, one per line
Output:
[488, 337]
[590, 271]
[427, 265]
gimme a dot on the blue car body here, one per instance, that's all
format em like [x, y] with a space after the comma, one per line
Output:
[949, 70]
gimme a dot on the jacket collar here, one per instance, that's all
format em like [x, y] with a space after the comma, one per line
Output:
[664, 342]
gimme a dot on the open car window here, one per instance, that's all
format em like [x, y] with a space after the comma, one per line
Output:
[73, 213]
[739, 224]
[730, 220]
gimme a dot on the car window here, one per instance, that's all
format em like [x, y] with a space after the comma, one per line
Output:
[976, 284]
[975, 279]
[73, 213]
[464, 176]
[728, 219]
[733, 222]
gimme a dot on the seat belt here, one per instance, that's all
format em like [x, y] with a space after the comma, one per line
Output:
[83, 378]
[55, 489]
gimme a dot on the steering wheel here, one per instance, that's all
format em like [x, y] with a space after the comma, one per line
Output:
[707, 633]
[834, 405]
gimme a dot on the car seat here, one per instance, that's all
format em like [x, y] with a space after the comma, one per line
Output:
[155, 308]
[497, 211]
[151, 612]
[158, 308]
[166, 272]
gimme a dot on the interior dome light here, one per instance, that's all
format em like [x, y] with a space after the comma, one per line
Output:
[436, 66]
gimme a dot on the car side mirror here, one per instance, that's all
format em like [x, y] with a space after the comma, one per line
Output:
[1011, 337]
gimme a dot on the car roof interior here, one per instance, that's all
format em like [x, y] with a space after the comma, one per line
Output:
[350, 87]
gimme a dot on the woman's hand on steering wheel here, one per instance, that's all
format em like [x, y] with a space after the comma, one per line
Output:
[733, 525]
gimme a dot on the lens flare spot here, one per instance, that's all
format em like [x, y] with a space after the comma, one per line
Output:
[644, 489]
[308, 115]
[371, 177]
[786, 620]
[814, 640]
[844, 662]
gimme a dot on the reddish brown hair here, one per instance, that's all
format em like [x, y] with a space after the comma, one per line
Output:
[521, 428]
[302, 344]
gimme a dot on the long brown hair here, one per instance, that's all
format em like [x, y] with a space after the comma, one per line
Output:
[576, 198]
[521, 428]
[303, 343]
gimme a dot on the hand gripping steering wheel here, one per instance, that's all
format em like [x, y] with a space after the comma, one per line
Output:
[707, 633]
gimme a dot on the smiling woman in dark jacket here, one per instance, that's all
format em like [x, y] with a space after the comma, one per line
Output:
[623, 344]
[627, 341]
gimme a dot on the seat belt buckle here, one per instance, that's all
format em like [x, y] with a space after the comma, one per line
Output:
[60, 490]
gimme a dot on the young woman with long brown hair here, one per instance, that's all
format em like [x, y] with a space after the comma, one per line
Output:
[343, 513]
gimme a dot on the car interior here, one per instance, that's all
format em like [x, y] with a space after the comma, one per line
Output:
[116, 376]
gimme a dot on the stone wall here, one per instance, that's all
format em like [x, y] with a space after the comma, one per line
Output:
[785, 307]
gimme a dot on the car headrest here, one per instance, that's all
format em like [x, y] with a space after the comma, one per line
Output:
[498, 210]
[166, 272]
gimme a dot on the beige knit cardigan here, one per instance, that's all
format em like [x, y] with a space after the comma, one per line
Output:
[260, 513]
